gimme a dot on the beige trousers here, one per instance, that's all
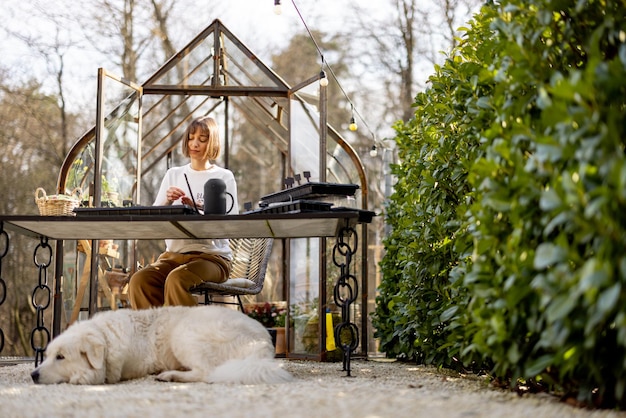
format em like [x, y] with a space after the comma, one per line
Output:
[167, 281]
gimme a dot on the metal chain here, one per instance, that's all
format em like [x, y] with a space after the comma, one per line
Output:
[40, 337]
[345, 293]
[4, 249]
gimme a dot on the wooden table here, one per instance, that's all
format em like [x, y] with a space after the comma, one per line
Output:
[131, 227]
[151, 227]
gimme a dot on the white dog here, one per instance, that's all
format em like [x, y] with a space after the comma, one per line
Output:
[179, 344]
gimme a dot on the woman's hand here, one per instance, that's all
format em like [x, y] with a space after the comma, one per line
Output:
[187, 201]
[174, 193]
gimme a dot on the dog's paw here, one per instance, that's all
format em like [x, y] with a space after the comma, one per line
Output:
[186, 376]
[168, 376]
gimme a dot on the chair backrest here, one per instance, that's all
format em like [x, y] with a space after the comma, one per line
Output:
[250, 258]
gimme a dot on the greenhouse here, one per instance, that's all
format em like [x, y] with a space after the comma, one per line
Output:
[274, 136]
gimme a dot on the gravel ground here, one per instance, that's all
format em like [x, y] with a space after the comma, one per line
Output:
[375, 389]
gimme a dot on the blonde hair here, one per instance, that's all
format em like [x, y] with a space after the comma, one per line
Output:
[205, 125]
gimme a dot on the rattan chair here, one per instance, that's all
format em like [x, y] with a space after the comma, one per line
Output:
[250, 259]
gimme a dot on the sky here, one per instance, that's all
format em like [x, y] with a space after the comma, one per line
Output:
[252, 21]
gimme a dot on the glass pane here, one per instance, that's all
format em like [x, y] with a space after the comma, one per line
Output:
[194, 68]
[197, 66]
[119, 144]
[80, 174]
[340, 169]
[118, 140]
[237, 71]
[304, 295]
[266, 117]
[163, 125]
[305, 148]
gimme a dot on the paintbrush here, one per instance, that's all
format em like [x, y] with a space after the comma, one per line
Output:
[191, 194]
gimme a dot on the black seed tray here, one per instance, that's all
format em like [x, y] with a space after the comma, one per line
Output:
[365, 216]
[298, 206]
[308, 191]
[136, 210]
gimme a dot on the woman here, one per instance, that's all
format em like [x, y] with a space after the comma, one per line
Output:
[187, 262]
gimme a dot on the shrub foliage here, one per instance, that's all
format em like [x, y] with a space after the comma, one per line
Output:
[508, 250]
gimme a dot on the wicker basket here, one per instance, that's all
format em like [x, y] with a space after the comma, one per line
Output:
[57, 205]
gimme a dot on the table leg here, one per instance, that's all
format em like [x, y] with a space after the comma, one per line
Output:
[4, 249]
[345, 293]
[41, 299]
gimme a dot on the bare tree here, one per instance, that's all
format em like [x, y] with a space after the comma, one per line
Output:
[60, 131]
[30, 143]
[403, 42]
[301, 60]
[161, 13]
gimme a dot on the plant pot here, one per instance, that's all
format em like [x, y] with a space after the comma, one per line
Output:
[278, 338]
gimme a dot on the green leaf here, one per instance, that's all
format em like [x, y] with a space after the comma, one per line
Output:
[539, 365]
[549, 200]
[608, 298]
[560, 307]
[513, 354]
[548, 254]
[592, 276]
[448, 313]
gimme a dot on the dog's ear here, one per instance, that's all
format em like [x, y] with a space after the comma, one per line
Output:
[94, 350]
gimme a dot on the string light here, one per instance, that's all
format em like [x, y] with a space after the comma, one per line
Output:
[373, 151]
[353, 126]
[323, 79]
[278, 9]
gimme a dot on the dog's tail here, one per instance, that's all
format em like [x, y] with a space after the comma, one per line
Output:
[250, 371]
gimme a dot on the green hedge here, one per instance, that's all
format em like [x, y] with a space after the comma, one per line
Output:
[508, 249]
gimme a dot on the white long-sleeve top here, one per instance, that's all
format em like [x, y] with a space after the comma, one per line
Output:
[175, 176]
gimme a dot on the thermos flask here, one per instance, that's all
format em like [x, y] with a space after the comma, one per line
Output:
[215, 197]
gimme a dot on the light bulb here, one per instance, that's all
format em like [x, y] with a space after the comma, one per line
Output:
[323, 79]
[373, 151]
[278, 9]
[353, 126]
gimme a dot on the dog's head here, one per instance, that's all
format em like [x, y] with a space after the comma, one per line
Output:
[77, 356]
